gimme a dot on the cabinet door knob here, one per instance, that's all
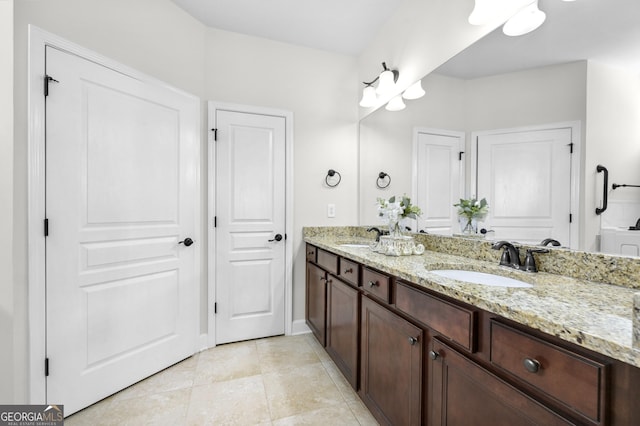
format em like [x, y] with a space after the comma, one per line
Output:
[348, 271]
[372, 284]
[531, 365]
[433, 355]
[412, 341]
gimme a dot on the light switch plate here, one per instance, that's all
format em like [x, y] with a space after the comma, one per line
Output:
[331, 210]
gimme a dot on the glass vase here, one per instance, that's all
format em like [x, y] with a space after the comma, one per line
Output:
[468, 225]
[394, 229]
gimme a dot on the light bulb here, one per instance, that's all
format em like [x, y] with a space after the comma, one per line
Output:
[414, 91]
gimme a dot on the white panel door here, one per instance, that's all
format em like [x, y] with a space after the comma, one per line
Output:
[250, 217]
[438, 180]
[526, 178]
[121, 173]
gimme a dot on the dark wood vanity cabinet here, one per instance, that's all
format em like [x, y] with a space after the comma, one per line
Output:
[418, 357]
[343, 327]
[462, 393]
[316, 301]
[391, 365]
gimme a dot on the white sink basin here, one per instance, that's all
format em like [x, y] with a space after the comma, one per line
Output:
[480, 278]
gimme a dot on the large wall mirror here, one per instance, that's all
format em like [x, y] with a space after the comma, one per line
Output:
[578, 77]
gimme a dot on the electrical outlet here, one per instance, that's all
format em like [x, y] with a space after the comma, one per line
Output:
[331, 210]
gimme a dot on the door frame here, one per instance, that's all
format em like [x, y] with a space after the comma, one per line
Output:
[576, 168]
[36, 194]
[214, 106]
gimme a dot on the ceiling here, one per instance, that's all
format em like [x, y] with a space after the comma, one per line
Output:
[342, 26]
[605, 31]
[601, 30]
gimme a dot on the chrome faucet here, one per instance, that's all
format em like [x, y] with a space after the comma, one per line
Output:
[510, 255]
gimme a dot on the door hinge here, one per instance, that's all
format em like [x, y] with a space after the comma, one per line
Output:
[571, 148]
[46, 367]
[285, 236]
[47, 80]
[460, 155]
[46, 227]
[215, 308]
[215, 134]
[570, 218]
[215, 221]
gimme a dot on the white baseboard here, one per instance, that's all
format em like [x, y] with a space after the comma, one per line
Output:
[203, 342]
[299, 327]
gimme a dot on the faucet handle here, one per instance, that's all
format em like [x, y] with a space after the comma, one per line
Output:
[530, 261]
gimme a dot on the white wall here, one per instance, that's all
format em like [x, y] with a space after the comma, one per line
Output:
[6, 202]
[318, 87]
[612, 139]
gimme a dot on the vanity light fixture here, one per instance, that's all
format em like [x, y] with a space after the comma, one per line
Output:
[525, 21]
[395, 104]
[415, 91]
[386, 85]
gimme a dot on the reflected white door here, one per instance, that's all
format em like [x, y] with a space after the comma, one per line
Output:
[526, 178]
[121, 173]
[438, 178]
[250, 218]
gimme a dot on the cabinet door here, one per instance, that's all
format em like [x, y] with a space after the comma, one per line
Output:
[391, 365]
[316, 302]
[464, 394]
[343, 324]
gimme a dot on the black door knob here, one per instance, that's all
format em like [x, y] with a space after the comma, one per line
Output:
[278, 237]
[187, 242]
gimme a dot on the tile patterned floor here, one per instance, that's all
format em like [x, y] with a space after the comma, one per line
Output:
[276, 381]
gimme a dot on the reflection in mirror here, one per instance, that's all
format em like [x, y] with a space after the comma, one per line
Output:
[500, 84]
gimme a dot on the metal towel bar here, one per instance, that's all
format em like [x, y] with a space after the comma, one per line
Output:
[604, 189]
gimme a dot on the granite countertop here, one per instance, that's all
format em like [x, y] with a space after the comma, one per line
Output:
[593, 315]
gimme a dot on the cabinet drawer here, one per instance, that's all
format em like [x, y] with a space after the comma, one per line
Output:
[453, 322]
[376, 284]
[328, 261]
[350, 271]
[574, 380]
[311, 253]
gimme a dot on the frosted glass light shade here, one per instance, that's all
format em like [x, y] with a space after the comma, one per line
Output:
[395, 104]
[525, 21]
[415, 91]
[386, 83]
[368, 97]
[482, 12]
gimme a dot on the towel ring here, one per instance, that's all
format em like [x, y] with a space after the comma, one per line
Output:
[382, 176]
[331, 173]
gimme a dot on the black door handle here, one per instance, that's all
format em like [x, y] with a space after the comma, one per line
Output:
[278, 237]
[187, 242]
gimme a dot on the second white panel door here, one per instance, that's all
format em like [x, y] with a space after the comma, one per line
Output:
[250, 225]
